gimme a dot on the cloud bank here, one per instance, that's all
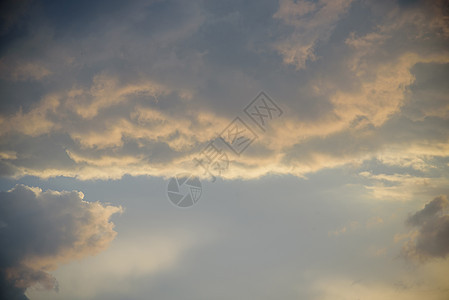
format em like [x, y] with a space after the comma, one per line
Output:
[159, 92]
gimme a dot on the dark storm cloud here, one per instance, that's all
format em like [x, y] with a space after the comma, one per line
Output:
[40, 230]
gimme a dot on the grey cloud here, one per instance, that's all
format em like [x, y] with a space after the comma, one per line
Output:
[431, 238]
[312, 22]
[429, 211]
[44, 229]
[10, 14]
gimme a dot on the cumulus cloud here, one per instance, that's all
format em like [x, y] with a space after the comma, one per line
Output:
[41, 230]
[430, 239]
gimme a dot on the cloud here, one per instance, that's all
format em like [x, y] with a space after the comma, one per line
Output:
[41, 230]
[345, 288]
[158, 94]
[431, 237]
[23, 71]
[402, 186]
[312, 22]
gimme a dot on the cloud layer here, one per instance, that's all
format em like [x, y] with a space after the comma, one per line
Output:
[158, 93]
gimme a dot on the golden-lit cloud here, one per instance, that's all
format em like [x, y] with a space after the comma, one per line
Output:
[137, 123]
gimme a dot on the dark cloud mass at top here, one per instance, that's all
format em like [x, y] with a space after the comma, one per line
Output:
[113, 88]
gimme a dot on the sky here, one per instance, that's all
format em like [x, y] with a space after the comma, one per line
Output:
[212, 149]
